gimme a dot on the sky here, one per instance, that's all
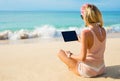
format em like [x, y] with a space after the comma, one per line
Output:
[57, 5]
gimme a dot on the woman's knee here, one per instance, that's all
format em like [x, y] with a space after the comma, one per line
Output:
[61, 52]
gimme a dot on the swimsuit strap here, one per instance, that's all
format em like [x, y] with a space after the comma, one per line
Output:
[100, 32]
[99, 29]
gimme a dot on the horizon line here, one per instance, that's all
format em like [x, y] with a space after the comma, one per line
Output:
[55, 10]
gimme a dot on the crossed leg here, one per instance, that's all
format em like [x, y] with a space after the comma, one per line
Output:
[71, 63]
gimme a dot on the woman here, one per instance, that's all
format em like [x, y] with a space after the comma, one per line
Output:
[90, 61]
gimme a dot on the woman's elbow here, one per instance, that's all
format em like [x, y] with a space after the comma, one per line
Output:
[83, 59]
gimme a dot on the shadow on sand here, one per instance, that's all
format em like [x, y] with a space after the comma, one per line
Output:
[112, 72]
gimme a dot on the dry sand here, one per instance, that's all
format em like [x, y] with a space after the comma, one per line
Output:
[39, 62]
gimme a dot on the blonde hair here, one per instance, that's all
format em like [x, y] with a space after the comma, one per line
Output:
[92, 15]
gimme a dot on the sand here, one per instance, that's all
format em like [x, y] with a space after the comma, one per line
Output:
[39, 62]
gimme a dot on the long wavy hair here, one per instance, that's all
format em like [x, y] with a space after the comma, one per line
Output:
[91, 14]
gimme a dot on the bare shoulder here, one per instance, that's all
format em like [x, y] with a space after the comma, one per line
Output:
[85, 32]
[103, 31]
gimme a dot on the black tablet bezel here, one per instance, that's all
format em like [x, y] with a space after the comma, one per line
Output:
[69, 36]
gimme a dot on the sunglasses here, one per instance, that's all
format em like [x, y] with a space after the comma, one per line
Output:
[81, 16]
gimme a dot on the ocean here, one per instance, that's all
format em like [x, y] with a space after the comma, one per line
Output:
[48, 24]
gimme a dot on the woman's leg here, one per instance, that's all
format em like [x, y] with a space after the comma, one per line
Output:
[71, 63]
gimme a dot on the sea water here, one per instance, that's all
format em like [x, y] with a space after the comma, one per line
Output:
[49, 24]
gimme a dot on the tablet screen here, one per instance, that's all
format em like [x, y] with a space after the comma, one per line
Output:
[69, 36]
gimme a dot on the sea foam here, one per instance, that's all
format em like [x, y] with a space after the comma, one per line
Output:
[45, 31]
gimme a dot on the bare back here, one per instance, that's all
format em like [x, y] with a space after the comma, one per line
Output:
[100, 34]
[96, 46]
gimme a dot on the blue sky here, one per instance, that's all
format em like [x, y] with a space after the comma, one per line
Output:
[66, 5]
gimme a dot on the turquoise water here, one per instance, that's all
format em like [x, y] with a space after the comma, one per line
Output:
[111, 18]
[16, 20]
[30, 20]
[51, 22]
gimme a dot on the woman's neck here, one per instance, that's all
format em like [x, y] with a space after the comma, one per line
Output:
[93, 25]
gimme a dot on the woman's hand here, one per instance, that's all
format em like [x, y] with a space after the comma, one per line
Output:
[68, 53]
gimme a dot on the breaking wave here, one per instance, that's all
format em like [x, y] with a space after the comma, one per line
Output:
[45, 31]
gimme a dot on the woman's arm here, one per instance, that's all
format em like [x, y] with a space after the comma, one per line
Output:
[84, 45]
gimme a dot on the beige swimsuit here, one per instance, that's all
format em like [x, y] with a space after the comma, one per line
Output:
[94, 63]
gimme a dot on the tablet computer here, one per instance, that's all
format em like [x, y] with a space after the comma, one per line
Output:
[69, 36]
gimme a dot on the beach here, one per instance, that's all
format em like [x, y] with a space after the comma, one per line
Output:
[38, 61]
[30, 38]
